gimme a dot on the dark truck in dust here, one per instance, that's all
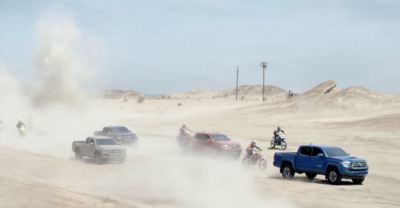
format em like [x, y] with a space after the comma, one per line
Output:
[332, 162]
[120, 134]
[214, 144]
[100, 148]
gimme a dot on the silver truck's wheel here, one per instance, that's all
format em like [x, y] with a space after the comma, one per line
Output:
[78, 154]
[283, 145]
[334, 176]
[262, 164]
[97, 158]
[287, 171]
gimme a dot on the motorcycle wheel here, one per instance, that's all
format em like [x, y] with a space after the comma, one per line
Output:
[246, 162]
[283, 145]
[262, 164]
[272, 143]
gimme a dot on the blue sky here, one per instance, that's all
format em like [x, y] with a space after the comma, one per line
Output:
[180, 45]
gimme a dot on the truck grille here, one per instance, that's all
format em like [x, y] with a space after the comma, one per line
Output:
[359, 165]
[116, 151]
[236, 147]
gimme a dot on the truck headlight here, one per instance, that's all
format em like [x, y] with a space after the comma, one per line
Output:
[225, 146]
[346, 163]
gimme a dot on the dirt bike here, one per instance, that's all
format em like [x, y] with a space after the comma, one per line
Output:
[255, 158]
[186, 133]
[21, 131]
[279, 140]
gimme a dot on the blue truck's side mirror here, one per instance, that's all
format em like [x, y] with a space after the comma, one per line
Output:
[320, 155]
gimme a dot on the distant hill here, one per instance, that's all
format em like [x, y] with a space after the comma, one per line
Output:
[117, 94]
[323, 96]
[245, 92]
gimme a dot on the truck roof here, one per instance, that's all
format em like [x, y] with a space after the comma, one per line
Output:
[316, 145]
[210, 133]
[114, 126]
[99, 137]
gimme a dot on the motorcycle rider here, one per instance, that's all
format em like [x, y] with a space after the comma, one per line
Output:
[20, 125]
[1, 124]
[276, 134]
[250, 148]
[184, 130]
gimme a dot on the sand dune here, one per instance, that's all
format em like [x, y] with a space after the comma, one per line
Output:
[40, 167]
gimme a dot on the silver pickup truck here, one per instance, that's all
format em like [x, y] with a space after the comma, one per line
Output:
[100, 148]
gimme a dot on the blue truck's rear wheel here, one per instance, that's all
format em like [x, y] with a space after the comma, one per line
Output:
[287, 171]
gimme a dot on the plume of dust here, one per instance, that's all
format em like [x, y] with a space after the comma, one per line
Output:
[11, 99]
[61, 60]
[66, 61]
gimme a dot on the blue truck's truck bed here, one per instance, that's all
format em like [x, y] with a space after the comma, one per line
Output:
[331, 161]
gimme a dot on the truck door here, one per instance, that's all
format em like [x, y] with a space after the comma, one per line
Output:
[317, 162]
[89, 147]
[107, 131]
[84, 147]
[203, 142]
[303, 159]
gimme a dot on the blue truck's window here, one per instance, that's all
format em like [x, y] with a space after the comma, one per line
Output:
[315, 151]
[335, 152]
[306, 151]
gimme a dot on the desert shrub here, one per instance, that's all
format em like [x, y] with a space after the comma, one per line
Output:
[140, 99]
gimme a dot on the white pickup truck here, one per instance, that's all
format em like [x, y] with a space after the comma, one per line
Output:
[100, 148]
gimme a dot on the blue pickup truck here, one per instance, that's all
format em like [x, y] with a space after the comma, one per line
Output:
[331, 161]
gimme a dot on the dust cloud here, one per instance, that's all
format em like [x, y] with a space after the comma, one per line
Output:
[57, 111]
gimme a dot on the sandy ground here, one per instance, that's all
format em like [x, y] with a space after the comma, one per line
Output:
[40, 170]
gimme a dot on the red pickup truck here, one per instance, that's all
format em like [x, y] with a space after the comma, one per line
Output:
[215, 144]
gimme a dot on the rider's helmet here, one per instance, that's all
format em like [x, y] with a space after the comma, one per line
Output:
[254, 142]
[184, 124]
[278, 128]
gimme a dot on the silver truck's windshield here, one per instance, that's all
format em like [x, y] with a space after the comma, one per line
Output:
[335, 152]
[220, 138]
[105, 142]
[120, 130]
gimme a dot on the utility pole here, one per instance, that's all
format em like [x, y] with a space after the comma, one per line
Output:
[264, 66]
[237, 81]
